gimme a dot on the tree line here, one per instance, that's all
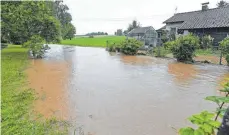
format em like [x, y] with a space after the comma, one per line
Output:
[21, 20]
[96, 33]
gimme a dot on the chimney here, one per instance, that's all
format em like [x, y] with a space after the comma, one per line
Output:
[205, 6]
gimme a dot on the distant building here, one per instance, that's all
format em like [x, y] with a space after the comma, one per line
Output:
[148, 35]
[119, 32]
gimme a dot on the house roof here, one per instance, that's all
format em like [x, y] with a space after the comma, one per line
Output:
[211, 18]
[162, 28]
[139, 30]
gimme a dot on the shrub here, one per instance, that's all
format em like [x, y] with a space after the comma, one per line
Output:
[224, 47]
[227, 59]
[112, 47]
[91, 36]
[160, 51]
[35, 45]
[206, 42]
[183, 48]
[130, 46]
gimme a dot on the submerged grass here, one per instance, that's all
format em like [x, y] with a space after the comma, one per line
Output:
[100, 41]
[17, 116]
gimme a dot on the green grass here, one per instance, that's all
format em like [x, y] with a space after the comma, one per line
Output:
[208, 52]
[16, 101]
[93, 42]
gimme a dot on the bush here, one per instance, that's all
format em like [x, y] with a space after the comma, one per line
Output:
[227, 59]
[160, 51]
[206, 42]
[183, 48]
[35, 45]
[224, 47]
[130, 46]
[112, 47]
[91, 36]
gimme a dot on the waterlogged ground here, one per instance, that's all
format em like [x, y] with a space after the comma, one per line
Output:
[103, 93]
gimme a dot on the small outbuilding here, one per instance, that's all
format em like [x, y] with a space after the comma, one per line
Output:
[147, 35]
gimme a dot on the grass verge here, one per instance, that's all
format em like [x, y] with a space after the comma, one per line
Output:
[17, 116]
[208, 52]
[92, 42]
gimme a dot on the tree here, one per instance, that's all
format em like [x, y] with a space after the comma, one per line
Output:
[60, 11]
[222, 3]
[133, 25]
[70, 31]
[22, 19]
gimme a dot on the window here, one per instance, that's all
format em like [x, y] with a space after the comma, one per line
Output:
[173, 30]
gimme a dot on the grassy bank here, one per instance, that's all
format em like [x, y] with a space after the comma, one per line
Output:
[208, 52]
[99, 41]
[17, 115]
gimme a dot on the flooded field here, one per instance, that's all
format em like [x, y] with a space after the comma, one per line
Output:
[103, 93]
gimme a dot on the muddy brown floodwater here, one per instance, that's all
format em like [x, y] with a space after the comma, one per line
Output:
[103, 93]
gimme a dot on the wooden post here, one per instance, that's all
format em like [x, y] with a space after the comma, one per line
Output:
[107, 45]
[220, 59]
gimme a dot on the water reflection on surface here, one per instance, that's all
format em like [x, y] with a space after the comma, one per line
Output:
[112, 94]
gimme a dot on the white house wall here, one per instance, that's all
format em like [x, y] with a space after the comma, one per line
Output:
[174, 25]
[186, 32]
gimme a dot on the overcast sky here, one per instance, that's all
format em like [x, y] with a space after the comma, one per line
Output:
[110, 15]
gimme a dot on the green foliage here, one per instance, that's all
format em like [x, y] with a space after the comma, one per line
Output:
[224, 47]
[16, 99]
[23, 19]
[130, 46]
[184, 47]
[35, 45]
[61, 13]
[160, 51]
[227, 59]
[208, 122]
[206, 42]
[164, 36]
[112, 47]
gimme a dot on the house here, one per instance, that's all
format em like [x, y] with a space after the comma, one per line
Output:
[148, 35]
[213, 22]
[160, 31]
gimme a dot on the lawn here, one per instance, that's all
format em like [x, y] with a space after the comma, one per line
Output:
[17, 116]
[209, 52]
[99, 41]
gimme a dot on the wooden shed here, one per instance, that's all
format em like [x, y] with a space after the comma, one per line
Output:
[147, 35]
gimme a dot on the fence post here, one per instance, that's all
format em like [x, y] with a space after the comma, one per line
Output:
[220, 59]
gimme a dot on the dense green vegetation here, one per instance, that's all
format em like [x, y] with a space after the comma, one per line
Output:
[128, 46]
[224, 47]
[20, 20]
[208, 122]
[100, 41]
[183, 48]
[17, 117]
